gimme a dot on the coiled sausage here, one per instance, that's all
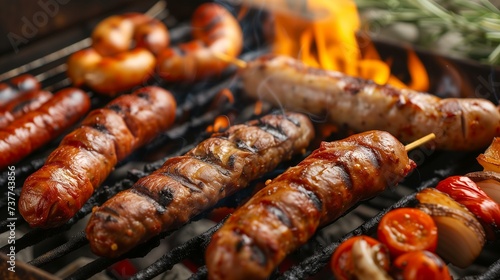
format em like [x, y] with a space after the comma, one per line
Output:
[116, 34]
[110, 75]
[109, 67]
[215, 30]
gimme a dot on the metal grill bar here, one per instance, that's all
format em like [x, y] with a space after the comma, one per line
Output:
[22, 171]
[77, 241]
[201, 274]
[493, 272]
[177, 254]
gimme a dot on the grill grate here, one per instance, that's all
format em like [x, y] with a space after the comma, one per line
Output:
[196, 111]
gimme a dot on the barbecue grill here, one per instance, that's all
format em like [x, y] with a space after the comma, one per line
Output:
[42, 254]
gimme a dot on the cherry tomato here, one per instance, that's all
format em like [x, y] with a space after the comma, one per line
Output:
[342, 264]
[420, 265]
[466, 192]
[407, 229]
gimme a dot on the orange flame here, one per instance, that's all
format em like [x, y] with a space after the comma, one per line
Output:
[222, 98]
[258, 108]
[220, 123]
[326, 129]
[420, 79]
[330, 42]
[225, 92]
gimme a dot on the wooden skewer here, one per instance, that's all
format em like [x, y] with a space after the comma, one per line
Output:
[420, 141]
[233, 60]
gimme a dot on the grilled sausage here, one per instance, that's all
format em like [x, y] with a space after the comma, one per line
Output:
[21, 105]
[111, 74]
[186, 185]
[85, 157]
[459, 124]
[109, 67]
[215, 30]
[288, 210]
[36, 128]
[17, 86]
[116, 34]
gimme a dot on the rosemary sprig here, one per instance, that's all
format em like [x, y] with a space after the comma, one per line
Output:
[475, 24]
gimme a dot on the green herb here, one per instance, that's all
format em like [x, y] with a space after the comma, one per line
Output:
[475, 25]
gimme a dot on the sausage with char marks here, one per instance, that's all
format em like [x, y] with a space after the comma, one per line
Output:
[459, 123]
[85, 157]
[186, 185]
[34, 129]
[288, 210]
[21, 105]
[17, 86]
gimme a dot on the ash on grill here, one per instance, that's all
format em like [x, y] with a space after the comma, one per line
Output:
[63, 252]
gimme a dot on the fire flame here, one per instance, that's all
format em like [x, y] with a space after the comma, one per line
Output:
[258, 108]
[220, 123]
[328, 40]
[226, 93]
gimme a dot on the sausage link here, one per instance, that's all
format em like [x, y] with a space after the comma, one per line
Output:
[459, 124]
[21, 105]
[288, 210]
[111, 74]
[17, 86]
[36, 128]
[85, 157]
[186, 185]
[116, 34]
[215, 30]
[109, 66]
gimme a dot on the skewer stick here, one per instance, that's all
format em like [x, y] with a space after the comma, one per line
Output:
[420, 141]
[233, 60]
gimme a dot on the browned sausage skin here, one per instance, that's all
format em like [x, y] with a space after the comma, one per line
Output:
[215, 30]
[110, 75]
[85, 157]
[186, 185]
[286, 213]
[17, 86]
[116, 34]
[36, 128]
[110, 66]
[459, 124]
[21, 105]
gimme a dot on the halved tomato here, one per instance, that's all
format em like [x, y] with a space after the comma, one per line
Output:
[342, 262]
[405, 230]
[420, 265]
